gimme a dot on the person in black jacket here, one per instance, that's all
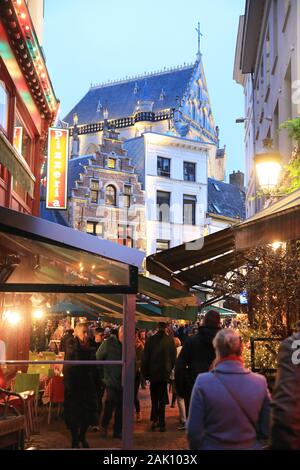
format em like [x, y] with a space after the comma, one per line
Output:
[285, 405]
[196, 356]
[157, 363]
[80, 404]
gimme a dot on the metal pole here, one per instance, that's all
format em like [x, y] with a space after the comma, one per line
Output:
[128, 370]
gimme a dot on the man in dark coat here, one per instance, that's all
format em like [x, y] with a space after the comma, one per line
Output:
[285, 404]
[80, 381]
[196, 356]
[111, 350]
[157, 363]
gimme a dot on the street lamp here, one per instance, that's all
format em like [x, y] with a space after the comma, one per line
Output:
[268, 167]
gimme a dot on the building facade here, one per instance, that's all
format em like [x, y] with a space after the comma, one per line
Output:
[267, 65]
[105, 197]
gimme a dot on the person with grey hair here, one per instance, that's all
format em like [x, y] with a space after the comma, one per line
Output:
[230, 404]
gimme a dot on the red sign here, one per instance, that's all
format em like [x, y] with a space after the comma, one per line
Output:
[57, 168]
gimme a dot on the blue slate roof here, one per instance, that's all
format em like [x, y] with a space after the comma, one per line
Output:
[121, 98]
[226, 199]
[52, 215]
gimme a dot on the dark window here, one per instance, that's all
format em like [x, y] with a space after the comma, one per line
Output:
[94, 185]
[125, 237]
[162, 245]
[127, 195]
[163, 167]
[110, 195]
[163, 206]
[189, 209]
[23, 141]
[94, 228]
[189, 171]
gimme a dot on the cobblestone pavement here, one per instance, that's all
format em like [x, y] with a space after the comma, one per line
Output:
[56, 436]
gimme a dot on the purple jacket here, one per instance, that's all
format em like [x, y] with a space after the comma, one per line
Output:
[216, 421]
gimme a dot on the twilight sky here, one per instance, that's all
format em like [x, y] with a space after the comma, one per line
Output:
[91, 41]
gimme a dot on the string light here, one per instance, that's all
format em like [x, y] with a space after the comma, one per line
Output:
[12, 317]
[38, 314]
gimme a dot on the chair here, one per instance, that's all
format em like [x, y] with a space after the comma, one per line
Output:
[56, 394]
[26, 382]
[12, 423]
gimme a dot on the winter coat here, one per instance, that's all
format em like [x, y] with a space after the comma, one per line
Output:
[196, 356]
[80, 381]
[216, 421]
[159, 357]
[111, 350]
[285, 405]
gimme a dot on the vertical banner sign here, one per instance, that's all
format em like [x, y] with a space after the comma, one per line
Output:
[18, 137]
[57, 168]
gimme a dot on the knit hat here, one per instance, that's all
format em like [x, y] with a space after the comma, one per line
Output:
[212, 319]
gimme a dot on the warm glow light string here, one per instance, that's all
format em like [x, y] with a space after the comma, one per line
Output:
[34, 49]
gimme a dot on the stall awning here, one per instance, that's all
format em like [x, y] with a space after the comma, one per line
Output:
[198, 261]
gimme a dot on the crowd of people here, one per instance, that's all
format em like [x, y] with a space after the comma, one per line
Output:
[221, 404]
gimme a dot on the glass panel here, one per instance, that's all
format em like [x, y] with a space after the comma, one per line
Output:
[3, 106]
[111, 163]
[34, 262]
[163, 206]
[44, 330]
[189, 209]
[110, 195]
[189, 170]
[163, 166]
[162, 245]
[22, 140]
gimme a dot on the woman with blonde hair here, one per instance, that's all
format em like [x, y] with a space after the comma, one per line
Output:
[230, 404]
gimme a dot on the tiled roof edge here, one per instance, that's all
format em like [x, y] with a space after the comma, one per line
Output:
[141, 76]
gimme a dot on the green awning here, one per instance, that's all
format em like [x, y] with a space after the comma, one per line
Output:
[222, 311]
[19, 169]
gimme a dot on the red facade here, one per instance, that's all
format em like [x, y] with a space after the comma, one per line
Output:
[27, 108]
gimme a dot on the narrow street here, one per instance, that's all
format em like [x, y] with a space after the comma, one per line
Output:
[56, 436]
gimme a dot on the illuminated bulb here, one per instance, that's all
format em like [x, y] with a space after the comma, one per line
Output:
[38, 314]
[40, 67]
[23, 16]
[93, 267]
[277, 245]
[13, 318]
[19, 2]
[27, 28]
[43, 75]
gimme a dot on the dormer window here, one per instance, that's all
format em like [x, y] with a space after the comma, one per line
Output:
[136, 89]
[111, 163]
[162, 95]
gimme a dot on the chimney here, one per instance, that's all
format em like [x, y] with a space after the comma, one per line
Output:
[237, 178]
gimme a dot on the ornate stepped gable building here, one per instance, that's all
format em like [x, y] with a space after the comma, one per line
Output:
[174, 102]
[105, 197]
[168, 129]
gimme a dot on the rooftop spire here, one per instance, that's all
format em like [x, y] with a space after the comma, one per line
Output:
[199, 41]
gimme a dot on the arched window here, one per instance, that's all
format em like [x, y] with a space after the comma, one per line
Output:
[110, 195]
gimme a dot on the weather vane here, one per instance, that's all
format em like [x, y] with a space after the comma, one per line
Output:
[199, 39]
